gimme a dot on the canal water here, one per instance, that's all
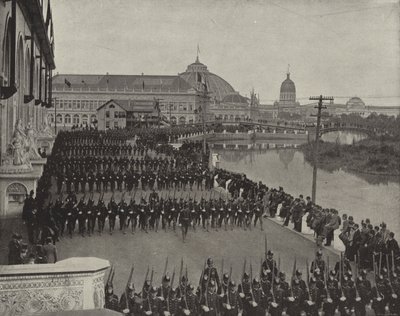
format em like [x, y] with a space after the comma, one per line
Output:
[376, 198]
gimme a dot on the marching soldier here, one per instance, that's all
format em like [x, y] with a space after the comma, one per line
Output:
[152, 304]
[318, 263]
[209, 302]
[189, 302]
[111, 299]
[270, 263]
[112, 214]
[231, 301]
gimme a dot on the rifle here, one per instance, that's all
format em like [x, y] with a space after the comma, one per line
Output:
[356, 276]
[184, 292]
[145, 279]
[244, 271]
[201, 279]
[208, 282]
[165, 269]
[293, 275]
[279, 263]
[272, 285]
[134, 194]
[380, 263]
[180, 272]
[389, 276]
[340, 273]
[265, 245]
[307, 281]
[392, 262]
[109, 275]
[326, 278]
[222, 268]
[151, 284]
[251, 282]
[112, 276]
[126, 287]
[169, 289]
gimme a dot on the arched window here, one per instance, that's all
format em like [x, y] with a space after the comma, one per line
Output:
[85, 119]
[173, 120]
[182, 120]
[75, 119]
[67, 119]
[59, 118]
[93, 118]
[50, 118]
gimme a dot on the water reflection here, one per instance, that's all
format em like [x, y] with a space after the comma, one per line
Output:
[349, 193]
[343, 137]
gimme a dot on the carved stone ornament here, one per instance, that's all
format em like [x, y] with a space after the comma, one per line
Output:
[40, 301]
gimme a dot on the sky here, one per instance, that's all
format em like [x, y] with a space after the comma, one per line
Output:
[340, 48]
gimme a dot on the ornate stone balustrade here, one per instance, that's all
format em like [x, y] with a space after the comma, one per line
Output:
[71, 284]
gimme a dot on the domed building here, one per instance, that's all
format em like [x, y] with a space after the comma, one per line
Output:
[217, 87]
[355, 102]
[287, 96]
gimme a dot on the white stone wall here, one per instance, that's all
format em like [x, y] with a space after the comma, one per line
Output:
[71, 284]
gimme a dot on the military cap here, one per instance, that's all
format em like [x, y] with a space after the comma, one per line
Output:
[153, 289]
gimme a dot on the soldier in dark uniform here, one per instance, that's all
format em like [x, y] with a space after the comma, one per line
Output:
[245, 292]
[210, 302]
[105, 179]
[15, 249]
[76, 179]
[189, 302]
[111, 299]
[91, 217]
[172, 303]
[295, 301]
[152, 303]
[133, 305]
[231, 301]
[318, 263]
[314, 299]
[184, 220]
[82, 181]
[132, 215]
[112, 214]
[122, 214]
[101, 215]
[270, 263]
[277, 303]
[90, 180]
[119, 178]
[259, 303]
[111, 180]
[60, 181]
[210, 273]
[99, 179]
[82, 216]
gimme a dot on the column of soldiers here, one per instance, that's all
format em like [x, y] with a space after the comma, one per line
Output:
[337, 291]
[154, 212]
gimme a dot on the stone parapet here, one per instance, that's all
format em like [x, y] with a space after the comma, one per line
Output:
[71, 284]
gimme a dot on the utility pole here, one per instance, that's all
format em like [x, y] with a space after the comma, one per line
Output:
[316, 146]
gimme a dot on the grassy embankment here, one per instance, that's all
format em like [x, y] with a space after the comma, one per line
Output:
[380, 156]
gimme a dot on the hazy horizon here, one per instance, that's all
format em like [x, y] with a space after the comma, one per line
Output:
[341, 48]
